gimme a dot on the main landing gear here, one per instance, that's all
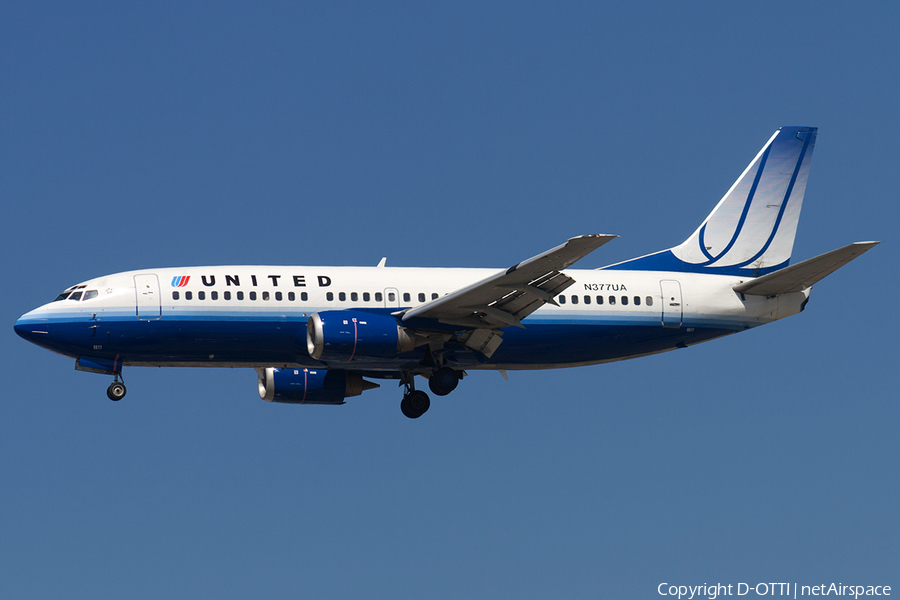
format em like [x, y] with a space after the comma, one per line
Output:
[116, 390]
[443, 381]
[416, 402]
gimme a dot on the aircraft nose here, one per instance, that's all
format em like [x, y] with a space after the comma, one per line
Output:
[30, 330]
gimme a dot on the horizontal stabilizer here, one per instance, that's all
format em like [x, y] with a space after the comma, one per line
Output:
[797, 278]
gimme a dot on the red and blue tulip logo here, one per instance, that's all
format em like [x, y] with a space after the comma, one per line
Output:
[180, 280]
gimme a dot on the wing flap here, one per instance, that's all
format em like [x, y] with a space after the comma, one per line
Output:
[797, 278]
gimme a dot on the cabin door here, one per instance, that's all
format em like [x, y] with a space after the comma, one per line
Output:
[671, 303]
[146, 289]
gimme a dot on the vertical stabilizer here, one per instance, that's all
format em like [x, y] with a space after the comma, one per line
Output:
[751, 230]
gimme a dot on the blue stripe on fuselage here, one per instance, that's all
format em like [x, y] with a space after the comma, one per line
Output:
[254, 338]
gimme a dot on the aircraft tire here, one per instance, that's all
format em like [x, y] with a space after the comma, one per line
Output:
[443, 381]
[414, 404]
[116, 391]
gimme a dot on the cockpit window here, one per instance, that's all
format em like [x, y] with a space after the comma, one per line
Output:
[66, 293]
[90, 294]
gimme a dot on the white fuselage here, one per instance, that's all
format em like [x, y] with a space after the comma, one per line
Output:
[256, 315]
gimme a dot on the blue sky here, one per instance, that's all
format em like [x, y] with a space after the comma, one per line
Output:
[465, 135]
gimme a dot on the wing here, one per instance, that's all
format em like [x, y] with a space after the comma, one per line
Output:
[509, 296]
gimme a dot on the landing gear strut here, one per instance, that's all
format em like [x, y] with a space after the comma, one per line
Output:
[116, 390]
[415, 402]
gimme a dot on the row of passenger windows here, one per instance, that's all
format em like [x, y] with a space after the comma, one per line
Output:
[392, 297]
[378, 297]
[611, 300]
[291, 296]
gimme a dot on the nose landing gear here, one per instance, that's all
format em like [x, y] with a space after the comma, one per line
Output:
[116, 390]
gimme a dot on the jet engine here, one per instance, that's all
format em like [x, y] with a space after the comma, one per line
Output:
[346, 335]
[310, 386]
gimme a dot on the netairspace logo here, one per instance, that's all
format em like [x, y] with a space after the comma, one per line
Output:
[713, 591]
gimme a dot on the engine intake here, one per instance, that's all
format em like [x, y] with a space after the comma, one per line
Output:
[310, 386]
[347, 335]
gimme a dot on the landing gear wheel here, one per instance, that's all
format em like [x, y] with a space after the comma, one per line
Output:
[443, 381]
[116, 391]
[414, 404]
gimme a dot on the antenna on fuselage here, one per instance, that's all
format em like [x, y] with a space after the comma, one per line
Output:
[382, 261]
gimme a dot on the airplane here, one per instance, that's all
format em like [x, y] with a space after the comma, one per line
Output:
[319, 335]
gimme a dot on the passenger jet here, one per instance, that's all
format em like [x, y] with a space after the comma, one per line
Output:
[318, 335]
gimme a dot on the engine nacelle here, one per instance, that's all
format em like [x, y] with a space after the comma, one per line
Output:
[310, 386]
[346, 335]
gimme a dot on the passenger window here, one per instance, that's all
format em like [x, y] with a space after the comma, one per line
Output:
[214, 295]
[366, 296]
[342, 296]
[226, 295]
[649, 300]
[265, 296]
[637, 300]
[612, 300]
[421, 297]
[240, 295]
[391, 296]
[252, 295]
[75, 296]
[188, 295]
[406, 297]
[624, 300]
[90, 294]
[292, 296]
[587, 299]
[304, 296]
[434, 296]
[278, 296]
[574, 299]
[599, 299]
[174, 295]
[329, 296]
[201, 295]
[354, 297]
[562, 299]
